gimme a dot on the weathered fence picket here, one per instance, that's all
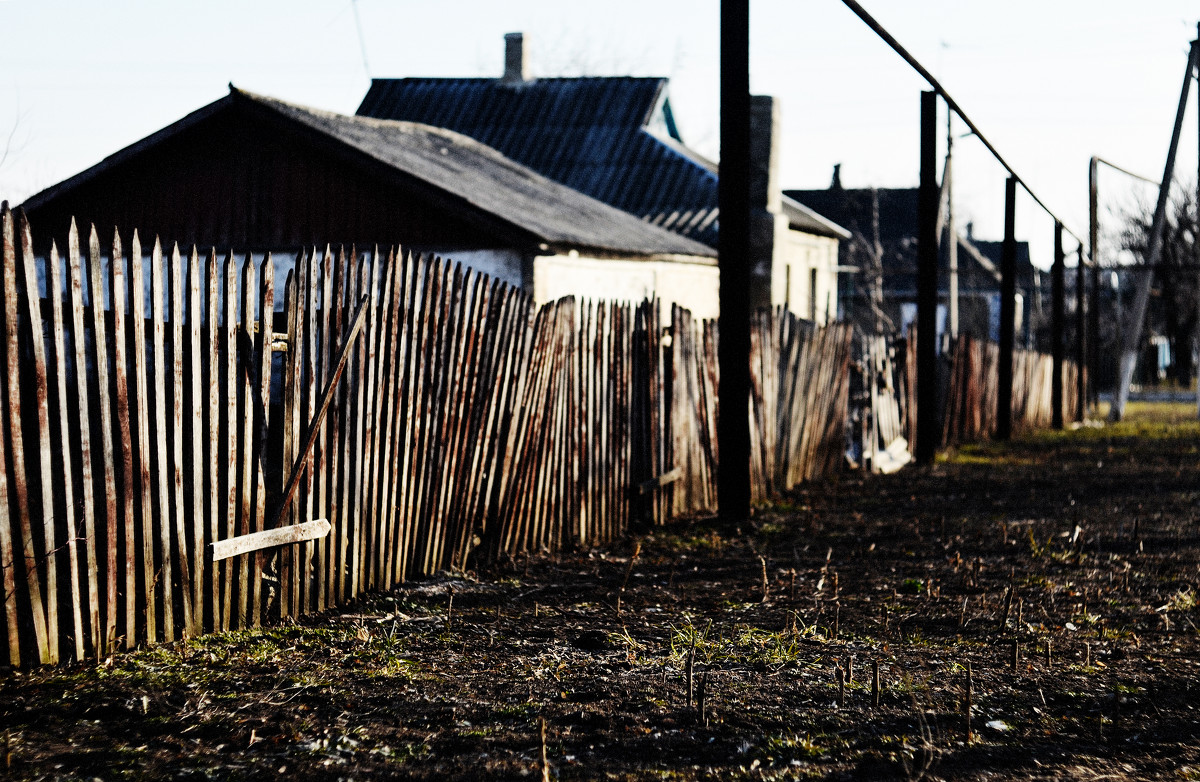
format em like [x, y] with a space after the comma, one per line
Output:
[14, 445]
[33, 314]
[82, 404]
[196, 399]
[61, 406]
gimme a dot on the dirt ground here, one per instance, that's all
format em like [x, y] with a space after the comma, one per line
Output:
[1081, 549]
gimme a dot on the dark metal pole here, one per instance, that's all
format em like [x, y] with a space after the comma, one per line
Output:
[1008, 312]
[927, 285]
[1094, 254]
[952, 105]
[1080, 337]
[733, 421]
[1058, 315]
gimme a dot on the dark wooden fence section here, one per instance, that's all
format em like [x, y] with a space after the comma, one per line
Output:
[158, 403]
[970, 410]
[800, 392]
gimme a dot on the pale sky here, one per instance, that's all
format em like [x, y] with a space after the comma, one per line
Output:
[1050, 82]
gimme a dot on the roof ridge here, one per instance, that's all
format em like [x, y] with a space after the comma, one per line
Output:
[531, 80]
[454, 136]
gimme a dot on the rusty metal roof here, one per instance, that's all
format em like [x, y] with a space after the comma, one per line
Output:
[612, 138]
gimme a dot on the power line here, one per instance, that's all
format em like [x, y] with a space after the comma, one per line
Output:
[952, 104]
[362, 42]
[1127, 172]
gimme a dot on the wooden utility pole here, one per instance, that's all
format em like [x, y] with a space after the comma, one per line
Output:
[733, 249]
[1008, 312]
[927, 285]
[951, 233]
[1057, 280]
[1137, 314]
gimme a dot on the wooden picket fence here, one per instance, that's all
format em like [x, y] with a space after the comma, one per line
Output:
[971, 391]
[158, 403]
[800, 395]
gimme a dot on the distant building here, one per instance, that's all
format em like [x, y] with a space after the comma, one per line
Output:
[257, 174]
[883, 252]
[615, 139]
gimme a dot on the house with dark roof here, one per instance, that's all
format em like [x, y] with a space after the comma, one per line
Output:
[882, 251]
[257, 174]
[616, 140]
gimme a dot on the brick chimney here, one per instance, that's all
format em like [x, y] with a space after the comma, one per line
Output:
[764, 154]
[768, 225]
[516, 68]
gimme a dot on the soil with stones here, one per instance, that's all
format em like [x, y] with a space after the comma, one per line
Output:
[1057, 575]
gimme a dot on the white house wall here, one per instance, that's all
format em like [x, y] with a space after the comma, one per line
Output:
[693, 286]
[503, 265]
[800, 254]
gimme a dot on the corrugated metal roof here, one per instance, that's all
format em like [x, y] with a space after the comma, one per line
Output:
[588, 133]
[454, 164]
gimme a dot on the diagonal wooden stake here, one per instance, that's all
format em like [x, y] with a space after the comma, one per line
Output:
[315, 426]
[256, 541]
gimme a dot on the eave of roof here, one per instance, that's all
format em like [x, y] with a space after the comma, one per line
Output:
[805, 219]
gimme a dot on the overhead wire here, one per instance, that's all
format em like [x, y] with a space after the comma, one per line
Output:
[953, 105]
[362, 41]
[1127, 172]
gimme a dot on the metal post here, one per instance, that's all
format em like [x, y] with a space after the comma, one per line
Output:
[1080, 337]
[733, 195]
[1008, 314]
[927, 279]
[1058, 315]
[1093, 339]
